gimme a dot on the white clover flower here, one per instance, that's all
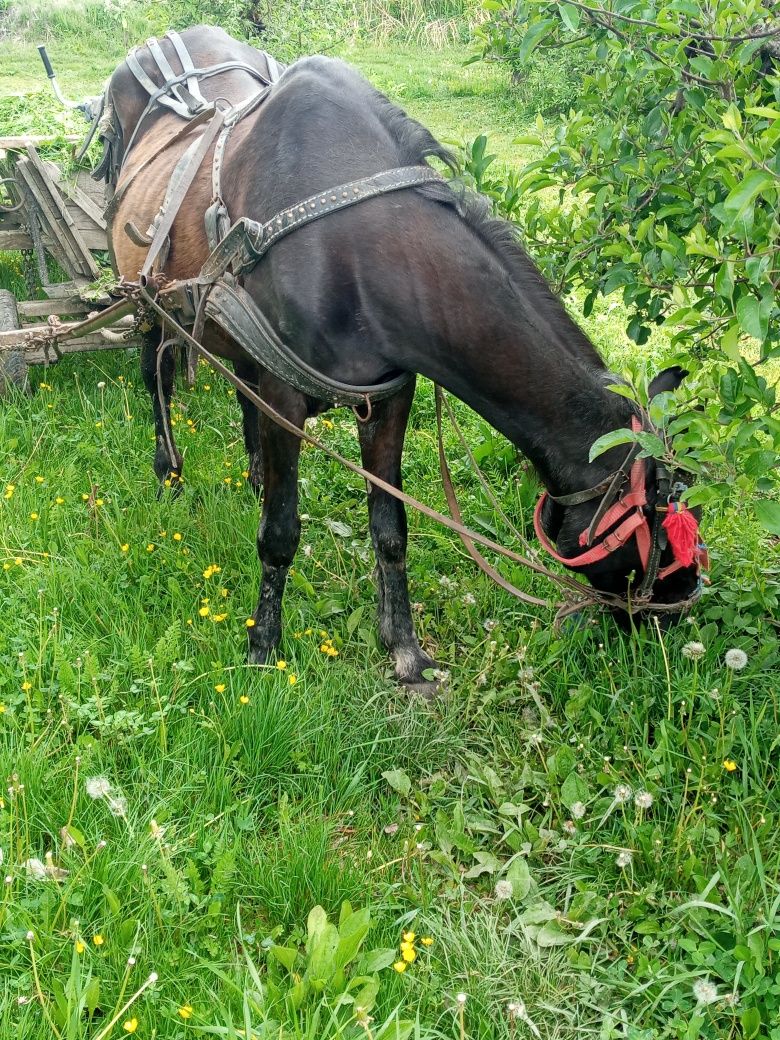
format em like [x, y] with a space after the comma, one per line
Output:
[578, 810]
[736, 659]
[503, 889]
[643, 799]
[624, 859]
[705, 991]
[693, 650]
[622, 794]
[97, 787]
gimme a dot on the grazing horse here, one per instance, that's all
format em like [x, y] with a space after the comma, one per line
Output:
[421, 280]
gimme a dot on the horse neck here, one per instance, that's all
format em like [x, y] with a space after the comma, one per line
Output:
[511, 352]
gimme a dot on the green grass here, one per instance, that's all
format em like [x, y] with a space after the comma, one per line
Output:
[338, 786]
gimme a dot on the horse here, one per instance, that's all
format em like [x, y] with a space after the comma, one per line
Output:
[419, 281]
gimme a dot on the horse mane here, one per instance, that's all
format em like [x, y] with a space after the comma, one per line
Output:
[416, 144]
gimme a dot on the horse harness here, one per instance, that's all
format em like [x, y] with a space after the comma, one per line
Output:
[236, 248]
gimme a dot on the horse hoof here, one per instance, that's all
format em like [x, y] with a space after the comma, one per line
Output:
[429, 690]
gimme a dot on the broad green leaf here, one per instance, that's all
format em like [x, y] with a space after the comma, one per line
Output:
[285, 955]
[399, 781]
[610, 440]
[570, 16]
[574, 789]
[351, 936]
[768, 515]
[738, 200]
[520, 877]
[750, 1021]
[395, 1029]
[751, 319]
[376, 960]
[533, 38]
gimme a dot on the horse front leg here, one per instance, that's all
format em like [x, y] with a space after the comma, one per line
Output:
[249, 372]
[280, 528]
[381, 445]
[167, 460]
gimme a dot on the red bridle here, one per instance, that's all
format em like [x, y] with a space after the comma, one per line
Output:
[629, 516]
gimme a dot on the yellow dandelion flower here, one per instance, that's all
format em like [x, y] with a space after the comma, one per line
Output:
[177, 536]
[125, 547]
[39, 480]
[80, 946]
[245, 473]
[250, 622]
[84, 496]
[18, 561]
[243, 699]
[220, 687]
[400, 967]
[729, 765]
[99, 502]
[204, 611]
[426, 940]
[2, 712]
[292, 679]
[99, 425]
[185, 1011]
[227, 480]
[223, 592]
[150, 547]
[409, 954]
[98, 939]
[281, 665]
[59, 500]
[33, 516]
[130, 1025]
[26, 686]
[409, 937]
[219, 617]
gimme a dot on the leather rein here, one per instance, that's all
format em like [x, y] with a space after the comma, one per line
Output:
[216, 294]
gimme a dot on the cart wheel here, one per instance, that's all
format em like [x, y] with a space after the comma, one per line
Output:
[13, 367]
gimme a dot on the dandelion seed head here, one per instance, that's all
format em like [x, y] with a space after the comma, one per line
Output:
[462, 998]
[622, 794]
[624, 859]
[705, 991]
[503, 889]
[578, 810]
[693, 650]
[97, 787]
[643, 799]
[736, 659]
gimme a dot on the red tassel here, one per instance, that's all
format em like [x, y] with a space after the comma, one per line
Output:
[682, 529]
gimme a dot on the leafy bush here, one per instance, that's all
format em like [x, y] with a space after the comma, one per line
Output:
[667, 181]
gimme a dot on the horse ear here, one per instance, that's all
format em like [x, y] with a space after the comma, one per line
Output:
[667, 380]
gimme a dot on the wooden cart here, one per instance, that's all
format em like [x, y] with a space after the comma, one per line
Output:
[50, 216]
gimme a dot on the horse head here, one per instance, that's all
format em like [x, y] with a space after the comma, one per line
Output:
[631, 536]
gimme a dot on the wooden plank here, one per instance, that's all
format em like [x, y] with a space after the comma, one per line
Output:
[62, 290]
[43, 308]
[84, 202]
[89, 267]
[59, 245]
[19, 142]
[37, 355]
[15, 240]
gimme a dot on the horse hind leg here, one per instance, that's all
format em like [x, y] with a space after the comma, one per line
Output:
[381, 445]
[280, 528]
[249, 372]
[167, 459]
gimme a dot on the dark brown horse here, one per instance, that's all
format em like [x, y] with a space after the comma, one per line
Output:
[418, 281]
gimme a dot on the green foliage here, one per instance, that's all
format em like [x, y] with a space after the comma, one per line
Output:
[664, 185]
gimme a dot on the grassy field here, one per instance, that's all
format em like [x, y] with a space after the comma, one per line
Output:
[579, 834]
